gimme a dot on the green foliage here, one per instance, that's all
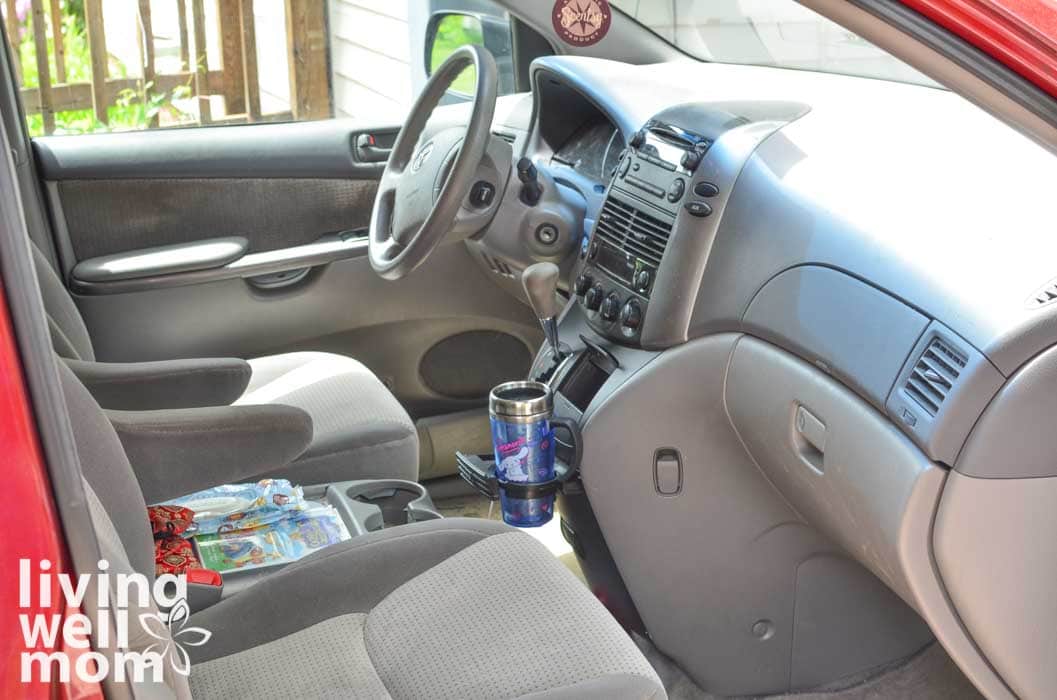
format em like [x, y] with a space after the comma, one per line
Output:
[133, 109]
[452, 32]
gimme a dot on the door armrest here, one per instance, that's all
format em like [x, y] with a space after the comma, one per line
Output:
[147, 386]
[162, 260]
[178, 452]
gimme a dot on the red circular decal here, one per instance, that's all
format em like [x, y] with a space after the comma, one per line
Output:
[581, 22]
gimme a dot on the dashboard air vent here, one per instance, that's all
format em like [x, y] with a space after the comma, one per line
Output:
[633, 231]
[1045, 296]
[498, 266]
[934, 375]
[506, 136]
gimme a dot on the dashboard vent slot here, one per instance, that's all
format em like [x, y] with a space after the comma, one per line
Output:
[1045, 296]
[633, 231]
[506, 136]
[498, 266]
[934, 375]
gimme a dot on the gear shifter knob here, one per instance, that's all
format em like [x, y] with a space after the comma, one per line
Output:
[541, 286]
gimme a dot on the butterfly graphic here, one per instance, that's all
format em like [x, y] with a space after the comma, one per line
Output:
[173, 635]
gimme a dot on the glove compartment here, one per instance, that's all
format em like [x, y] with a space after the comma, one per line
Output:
[854, 476]
[840, 463]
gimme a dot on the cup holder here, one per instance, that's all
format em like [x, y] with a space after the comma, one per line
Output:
[373, 505]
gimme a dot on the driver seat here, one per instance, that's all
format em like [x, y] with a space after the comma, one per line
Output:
[360, 430]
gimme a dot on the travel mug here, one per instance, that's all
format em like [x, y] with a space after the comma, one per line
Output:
[523, 439]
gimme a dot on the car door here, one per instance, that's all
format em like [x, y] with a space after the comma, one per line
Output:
[289, 196]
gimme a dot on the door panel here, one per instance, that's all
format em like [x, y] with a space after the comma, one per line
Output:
[279, 186]
[114, 216]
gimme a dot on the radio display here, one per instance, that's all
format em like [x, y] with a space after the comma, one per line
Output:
[619, 264]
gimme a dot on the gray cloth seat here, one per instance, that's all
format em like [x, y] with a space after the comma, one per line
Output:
[360, 430]
[456, 608]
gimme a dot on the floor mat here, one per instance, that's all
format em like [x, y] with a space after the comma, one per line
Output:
[476, 506]
[928, 675]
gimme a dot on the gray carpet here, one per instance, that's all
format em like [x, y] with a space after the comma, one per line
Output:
[928, 675]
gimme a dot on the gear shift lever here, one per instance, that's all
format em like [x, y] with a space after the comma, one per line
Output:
[541, 286]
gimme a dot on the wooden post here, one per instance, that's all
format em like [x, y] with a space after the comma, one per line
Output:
[145, 31]
[306, 40]
[251, 79]
[93, 21]
[12, 36]
[229, 22]
[181, 12]
[40, 46]
[201, 67]
[60, 46]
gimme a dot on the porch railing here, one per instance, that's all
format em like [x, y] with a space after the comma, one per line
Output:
[236, 79]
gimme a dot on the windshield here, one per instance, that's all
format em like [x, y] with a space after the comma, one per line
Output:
[778, 33]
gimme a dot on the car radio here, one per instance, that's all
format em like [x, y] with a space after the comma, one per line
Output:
[620, 261]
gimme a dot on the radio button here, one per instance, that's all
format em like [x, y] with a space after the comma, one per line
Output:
[643, 185]
[698, 209]
[611, 307]
[583, 283]
[705, 189]
[690, 160]
[660, 163]
[676, 190]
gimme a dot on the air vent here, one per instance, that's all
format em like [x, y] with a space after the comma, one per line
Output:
[498, 266]
[934, 375]
[1045, 296]
[633, 231]
[506, 136]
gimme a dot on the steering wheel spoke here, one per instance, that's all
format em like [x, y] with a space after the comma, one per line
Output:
[411, 215]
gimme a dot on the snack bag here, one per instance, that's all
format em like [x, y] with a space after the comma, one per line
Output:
[242, 506]
[281, 542]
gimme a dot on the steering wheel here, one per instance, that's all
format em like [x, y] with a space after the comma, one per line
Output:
[422, 188]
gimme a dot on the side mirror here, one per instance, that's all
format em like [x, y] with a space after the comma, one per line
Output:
[448, 31]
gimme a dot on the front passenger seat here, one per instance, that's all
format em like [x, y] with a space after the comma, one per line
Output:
[360, 430]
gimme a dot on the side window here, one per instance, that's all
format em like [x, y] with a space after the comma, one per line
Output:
[110, 65]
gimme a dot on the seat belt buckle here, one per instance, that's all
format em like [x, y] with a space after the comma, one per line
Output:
[205, 588]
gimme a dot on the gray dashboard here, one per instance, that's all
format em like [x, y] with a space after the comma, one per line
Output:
[909, 192]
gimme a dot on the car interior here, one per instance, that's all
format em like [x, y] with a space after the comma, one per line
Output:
[801, 323]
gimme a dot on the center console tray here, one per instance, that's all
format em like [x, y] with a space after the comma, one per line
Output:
[375, 504]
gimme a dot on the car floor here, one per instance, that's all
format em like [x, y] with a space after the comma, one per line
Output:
[928, 675]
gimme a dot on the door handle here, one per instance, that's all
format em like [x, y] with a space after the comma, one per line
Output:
[368, 151]
[809, 438]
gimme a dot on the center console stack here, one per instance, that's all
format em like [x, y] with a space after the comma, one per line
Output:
[621, 261]
[640, 268]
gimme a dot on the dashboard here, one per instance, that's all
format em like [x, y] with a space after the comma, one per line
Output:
[814, 299]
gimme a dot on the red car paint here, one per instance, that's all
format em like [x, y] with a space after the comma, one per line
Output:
[30, 523]
[1020, 33]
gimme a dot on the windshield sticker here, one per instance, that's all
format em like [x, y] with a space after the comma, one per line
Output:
[581, 22]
